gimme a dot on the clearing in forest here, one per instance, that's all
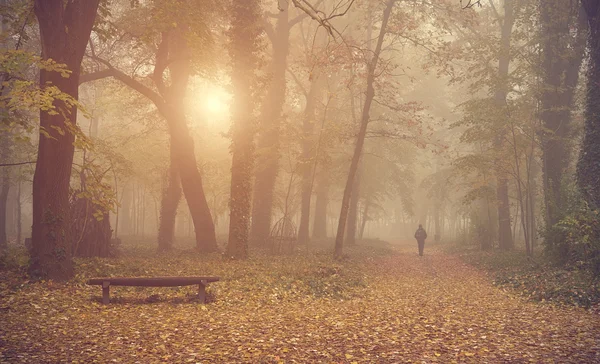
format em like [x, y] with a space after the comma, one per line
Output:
[377, 306]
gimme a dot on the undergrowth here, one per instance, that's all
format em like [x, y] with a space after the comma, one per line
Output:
[537, 278]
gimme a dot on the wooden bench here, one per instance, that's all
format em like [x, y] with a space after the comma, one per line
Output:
[106, 282]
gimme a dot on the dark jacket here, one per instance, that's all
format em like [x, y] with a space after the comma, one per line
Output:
[420, 234]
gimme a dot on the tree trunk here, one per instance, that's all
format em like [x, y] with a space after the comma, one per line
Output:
[4, 188]
[320, 220]
[268, 138]
[169, 203]
[360, 140]
[19, 214]
[125, 210]
[562, 55]
[588, 167]
[353, 212]
[365, 217]
[64, 31]
[505, 240]
[308, 147]
[245, 34]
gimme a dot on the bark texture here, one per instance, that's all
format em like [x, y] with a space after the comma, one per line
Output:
[563, 32]
[244, 35]
[588, 167]
[64, 32]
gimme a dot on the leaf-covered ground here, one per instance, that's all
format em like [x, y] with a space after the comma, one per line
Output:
[377, 306]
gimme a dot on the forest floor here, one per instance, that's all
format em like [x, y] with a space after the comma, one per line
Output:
[380, 305]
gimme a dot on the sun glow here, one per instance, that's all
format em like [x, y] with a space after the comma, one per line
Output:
[214, 104]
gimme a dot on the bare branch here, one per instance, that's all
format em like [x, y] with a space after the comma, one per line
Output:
[16, 164]
[471, 3]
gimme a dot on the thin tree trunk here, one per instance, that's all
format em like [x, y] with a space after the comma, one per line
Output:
[169, 203]
[19, 214]
[353, 212]
[504, 229]
[4, 189]
[322, 200]
[365, 217]
[308, 154]
[370, 94]
[64, 30]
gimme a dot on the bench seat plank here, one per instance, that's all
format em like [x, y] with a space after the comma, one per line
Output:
[152, 281]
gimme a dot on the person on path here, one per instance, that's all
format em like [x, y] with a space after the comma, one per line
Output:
[421, 235]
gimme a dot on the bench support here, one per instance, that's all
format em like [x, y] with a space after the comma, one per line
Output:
[105, 292]
[202, 292]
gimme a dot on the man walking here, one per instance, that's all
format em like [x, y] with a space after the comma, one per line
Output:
[421, 235]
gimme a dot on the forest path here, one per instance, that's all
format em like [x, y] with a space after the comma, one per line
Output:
[407, 309]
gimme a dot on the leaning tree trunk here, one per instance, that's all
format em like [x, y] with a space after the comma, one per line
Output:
[64, 31]
[245, 33]
[360, 140]
[588, 166]
[183, 143]
[268, 138]
[169, 204]
[505, 240]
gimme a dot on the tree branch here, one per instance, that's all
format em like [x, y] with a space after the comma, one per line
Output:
[133, 83]
[98, 75]
[16, 164]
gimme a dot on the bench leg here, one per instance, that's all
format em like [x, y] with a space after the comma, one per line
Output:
[202, 292]
[105, 293]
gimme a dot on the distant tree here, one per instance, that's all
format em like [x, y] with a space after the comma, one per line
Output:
[64, 31]
[269, 124]
[244, 46]
[364, 122]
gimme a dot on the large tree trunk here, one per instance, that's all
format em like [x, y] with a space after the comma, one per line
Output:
[268, 138]
[245, 33]
[308, 148]
[562, 55]
[169, 203]
[588, 167]
[322, 200]
[360, 140]
[505, 240]
[64, 31]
